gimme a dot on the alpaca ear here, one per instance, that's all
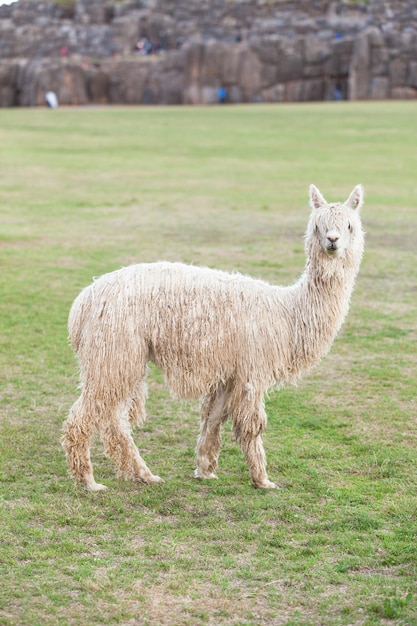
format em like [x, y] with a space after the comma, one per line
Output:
[316, 199]
[355, 200]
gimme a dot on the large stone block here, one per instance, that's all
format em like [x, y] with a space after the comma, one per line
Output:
[250, 75]
[32, 13]
[159, 28]
[194, 61]
[359, 70]
[97, 85]
[234, 94]
[340, 58]
[128, 81]
[409, 38]
[7, 37]
[379, 88]
[316, 50]
[66, 79]
[192, 94]
[269, 75]
[125, 34]
[398, 71]
[268, 49]
[231, 64]
[208, 95]
[274, 94]
[290, 66]
[8, 83]
[285, 54]
[93, 40]
[379, 61]
[403, 93]
[412, 75]
[211, 69]
[304, 91]
[165, 84]
[375, 37]
[93, 11]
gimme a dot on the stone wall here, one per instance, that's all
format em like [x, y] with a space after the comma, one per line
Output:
[259, 51]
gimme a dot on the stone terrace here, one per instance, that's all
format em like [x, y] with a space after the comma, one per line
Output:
[271, 51]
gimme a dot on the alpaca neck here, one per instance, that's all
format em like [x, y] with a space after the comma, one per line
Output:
[326, 300]
[321, 305]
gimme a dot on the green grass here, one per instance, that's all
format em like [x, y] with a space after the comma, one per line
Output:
[84, 191]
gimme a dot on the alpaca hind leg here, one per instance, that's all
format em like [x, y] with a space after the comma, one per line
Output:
[78, 429]
[137, 411]
[213, 416]
[249, 421]
[120, 447]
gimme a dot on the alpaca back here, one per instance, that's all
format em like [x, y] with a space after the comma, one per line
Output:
[202, 327]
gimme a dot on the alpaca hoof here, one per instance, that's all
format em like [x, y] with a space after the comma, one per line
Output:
[93, 486]
[266, 484]
[152, 479]
[208, 475]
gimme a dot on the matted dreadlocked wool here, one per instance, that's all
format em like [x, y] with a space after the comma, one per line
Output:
[225, 338]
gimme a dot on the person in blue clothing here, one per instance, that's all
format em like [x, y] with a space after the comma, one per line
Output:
[222, 94]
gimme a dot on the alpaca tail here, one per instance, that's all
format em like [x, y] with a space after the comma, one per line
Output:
[76, 319]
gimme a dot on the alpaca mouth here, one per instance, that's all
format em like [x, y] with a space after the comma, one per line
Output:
[332, 249]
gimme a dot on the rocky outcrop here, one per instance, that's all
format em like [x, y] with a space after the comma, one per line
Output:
[86, 51]
[384, 65]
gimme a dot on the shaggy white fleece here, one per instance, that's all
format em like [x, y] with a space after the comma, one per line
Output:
[225, 338]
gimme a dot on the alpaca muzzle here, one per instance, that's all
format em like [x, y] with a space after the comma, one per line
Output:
[332, 241]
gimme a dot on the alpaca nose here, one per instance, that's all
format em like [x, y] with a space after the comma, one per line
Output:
[332, 237]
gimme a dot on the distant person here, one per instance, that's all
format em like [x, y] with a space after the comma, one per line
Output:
[51, 100]
[222, 94]
[148, 46]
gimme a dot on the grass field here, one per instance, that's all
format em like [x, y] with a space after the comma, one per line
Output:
[84, 191]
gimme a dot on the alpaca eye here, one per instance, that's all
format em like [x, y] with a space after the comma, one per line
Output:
[350, 227]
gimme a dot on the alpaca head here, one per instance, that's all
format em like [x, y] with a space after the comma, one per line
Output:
[335, 230]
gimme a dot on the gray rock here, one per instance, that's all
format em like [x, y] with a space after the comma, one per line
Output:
[403, 93]
[359, 71]
[67, 80]
[379, 88]
[412, 75]
[397, 72]
[8, 82]
[316, 50]
[128, 81]
[125, 33]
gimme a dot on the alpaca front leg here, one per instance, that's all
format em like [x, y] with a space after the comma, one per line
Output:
[249, 421]
[213, 415]
[254, 452]
[76, 439]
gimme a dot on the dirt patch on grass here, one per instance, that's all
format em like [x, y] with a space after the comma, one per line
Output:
[202, 603]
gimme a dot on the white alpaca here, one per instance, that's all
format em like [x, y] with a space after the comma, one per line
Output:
[225, 338]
